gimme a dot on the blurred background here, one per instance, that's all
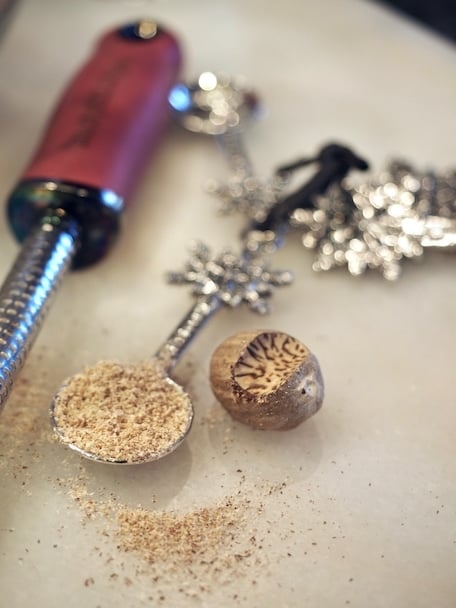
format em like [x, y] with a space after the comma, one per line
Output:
[439, 15]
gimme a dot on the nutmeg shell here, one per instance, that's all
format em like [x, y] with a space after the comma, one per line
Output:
[266, 379]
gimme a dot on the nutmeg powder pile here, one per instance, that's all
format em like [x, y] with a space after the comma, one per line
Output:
[122, 413]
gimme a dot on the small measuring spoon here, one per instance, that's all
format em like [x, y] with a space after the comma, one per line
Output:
[219, 106]
[165, 359]
[217, 281]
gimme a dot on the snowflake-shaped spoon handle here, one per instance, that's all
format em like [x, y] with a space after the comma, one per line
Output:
[225, 279]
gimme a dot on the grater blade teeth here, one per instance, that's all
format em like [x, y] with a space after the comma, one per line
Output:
[28, 290]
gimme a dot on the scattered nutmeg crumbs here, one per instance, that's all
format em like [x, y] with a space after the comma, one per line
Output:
[201, 552]
[209, 539]
[198, 550]
[122, 413]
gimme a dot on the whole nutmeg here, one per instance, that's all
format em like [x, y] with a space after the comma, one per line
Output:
[266, 379]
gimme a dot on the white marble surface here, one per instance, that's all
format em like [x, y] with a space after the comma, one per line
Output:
[370, 488]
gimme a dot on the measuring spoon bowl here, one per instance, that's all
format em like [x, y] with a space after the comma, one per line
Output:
[115, 421]
[213, 104]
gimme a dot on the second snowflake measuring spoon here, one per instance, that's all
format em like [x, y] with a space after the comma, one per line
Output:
[219, 106]
[222, 106]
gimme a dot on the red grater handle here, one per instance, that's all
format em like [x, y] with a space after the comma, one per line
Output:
[112, 114]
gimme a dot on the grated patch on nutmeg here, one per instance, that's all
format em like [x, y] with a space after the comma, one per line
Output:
[268, 361]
